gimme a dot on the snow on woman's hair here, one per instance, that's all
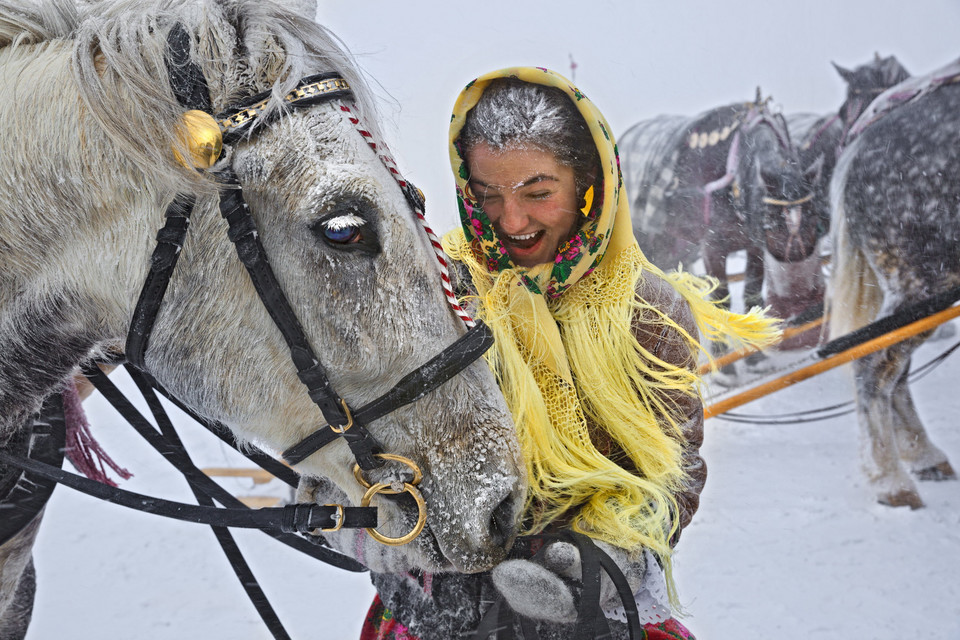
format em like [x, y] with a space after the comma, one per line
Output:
[512, 113]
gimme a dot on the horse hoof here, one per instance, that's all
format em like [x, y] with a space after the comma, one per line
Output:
[902, 498]
[942, 471]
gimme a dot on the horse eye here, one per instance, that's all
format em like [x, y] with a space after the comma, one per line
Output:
[343, 229]
[349, 228]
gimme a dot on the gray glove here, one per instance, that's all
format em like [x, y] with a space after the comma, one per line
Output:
[540, 589]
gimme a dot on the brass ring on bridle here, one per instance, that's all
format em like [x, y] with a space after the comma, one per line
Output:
[384, 488]
[417, 473]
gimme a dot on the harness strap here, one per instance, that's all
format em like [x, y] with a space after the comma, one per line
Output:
[299, 518]
[190, 88]
[733, 157]
[181, 461]
[267, 462]
[170, 240]
[243, 233]
[410, 388]
[224, 538]
[28, 495]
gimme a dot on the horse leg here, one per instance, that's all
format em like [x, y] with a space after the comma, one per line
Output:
[17, 582]
[753, 279]
[876, 379]
[925, 459]
[715, 263]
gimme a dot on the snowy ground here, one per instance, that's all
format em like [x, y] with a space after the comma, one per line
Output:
[788, 543]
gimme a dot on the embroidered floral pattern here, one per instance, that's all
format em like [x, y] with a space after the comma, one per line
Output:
[381, 625]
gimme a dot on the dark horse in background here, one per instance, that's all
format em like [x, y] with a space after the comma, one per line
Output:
[896, 214]
[795, 290]
[726, 180]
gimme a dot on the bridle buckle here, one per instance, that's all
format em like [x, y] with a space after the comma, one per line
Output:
[337, 517]
[346, 411]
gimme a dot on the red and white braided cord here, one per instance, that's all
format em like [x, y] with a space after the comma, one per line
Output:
[381, 151]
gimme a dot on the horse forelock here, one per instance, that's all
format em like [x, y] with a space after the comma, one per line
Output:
[243, 47]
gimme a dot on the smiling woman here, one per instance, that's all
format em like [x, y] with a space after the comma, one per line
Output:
[595, 353]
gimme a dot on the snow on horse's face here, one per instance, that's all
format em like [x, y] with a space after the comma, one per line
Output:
[338, 231]
[338, 228]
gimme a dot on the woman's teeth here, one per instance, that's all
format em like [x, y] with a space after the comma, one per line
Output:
[528, 236]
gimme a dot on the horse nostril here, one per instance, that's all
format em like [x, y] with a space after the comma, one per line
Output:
[501, 522]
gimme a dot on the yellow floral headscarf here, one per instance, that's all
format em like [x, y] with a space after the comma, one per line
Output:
[566, 355]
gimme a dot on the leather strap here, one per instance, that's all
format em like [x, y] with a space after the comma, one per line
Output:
[170, 240]
[30, 493]
[411, 388]
[181, 461]
[293, 518]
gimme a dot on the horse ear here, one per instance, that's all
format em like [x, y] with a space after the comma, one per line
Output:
[893, 72]
[846, 74]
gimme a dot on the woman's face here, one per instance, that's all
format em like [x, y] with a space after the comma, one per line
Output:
[530, 198]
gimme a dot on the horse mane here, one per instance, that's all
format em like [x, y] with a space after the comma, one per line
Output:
[244, 47]
[716, 118]
[32, 22]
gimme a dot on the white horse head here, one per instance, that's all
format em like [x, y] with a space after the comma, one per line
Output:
[89, 126]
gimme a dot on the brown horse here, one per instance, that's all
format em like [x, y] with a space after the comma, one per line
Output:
[724, 181]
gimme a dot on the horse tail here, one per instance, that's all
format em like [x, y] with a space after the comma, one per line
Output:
[854, 294]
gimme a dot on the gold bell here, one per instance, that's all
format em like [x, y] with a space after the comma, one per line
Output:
[201, 135]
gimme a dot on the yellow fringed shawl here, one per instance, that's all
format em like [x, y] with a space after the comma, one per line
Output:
[568, 358]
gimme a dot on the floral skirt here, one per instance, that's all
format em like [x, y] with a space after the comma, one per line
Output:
[381, 625]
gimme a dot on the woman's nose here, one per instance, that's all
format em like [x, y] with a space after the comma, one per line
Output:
[513, 219]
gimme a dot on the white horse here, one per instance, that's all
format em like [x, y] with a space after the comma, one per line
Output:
[89, 122]
[896, 227]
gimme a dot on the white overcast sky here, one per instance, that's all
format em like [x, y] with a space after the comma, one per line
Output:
[636, 59]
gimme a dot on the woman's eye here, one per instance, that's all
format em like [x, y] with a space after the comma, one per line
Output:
[540, 195]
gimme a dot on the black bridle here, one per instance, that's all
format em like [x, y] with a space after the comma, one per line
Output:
[190, 87]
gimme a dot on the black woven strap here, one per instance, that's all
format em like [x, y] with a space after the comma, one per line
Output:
[411, 387]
